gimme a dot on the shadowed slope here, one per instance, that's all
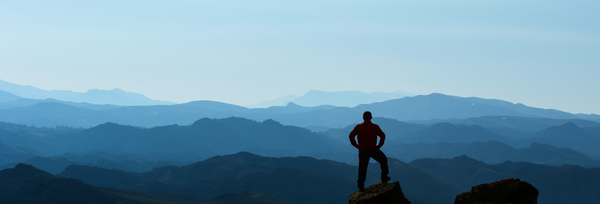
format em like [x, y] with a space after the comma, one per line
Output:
[26, 184]
[287, 178]
[561, 184]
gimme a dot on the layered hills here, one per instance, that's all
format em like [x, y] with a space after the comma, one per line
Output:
[493, 152]
[246, 171]
[200, 140]
[6, 96]
[412, 141]
[237, 178]
[292, 178]
[287, 178]
[209, 137]
[305, 150]
[422, 107]
[125, 162]
[26, 184]
[558, 184]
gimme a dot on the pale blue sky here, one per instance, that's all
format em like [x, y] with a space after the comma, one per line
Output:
[540, 53]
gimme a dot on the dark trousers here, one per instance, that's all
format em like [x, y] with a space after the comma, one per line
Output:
[363, 162]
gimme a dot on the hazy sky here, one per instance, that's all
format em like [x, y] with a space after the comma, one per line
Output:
[540, 53]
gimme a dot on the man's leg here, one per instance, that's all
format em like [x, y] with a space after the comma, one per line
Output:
[380, 157]
[363, 163]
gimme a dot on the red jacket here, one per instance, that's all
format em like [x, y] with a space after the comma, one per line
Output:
[367, 136]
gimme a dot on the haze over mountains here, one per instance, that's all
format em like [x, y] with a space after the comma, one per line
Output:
[325, 109]
[210, 137]
[8, 91]
[342, 98]
[473, 119]
[490, 138]
[421, 108]
[428, 119]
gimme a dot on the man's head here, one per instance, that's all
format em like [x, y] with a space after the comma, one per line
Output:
[367, 116]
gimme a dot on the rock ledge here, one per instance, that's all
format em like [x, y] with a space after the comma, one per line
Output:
[379, 193]
[508, 190]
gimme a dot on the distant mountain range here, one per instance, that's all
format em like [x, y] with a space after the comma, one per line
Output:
[128, 162]
[421, 108]
[9, 91]
[530, 124]
[315, 109]
[492, 152]
[155, 148]
[210, 137]
[9, 153]
[25, 102]
[204, 138]
[340, 98]
[412, 141]
[5, 96]
[137, 150]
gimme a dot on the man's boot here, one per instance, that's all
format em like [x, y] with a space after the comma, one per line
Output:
[385, 179]
[361, 187]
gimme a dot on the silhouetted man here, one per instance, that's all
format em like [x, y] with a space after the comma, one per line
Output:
[368, 148]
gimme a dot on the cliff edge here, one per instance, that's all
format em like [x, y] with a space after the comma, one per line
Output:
[379, 193]
[508, 190]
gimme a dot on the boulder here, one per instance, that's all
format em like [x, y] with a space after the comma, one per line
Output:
[379, 193]
[508, 190]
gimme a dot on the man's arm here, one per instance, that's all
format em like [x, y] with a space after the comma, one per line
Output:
[381, 137]
[352, 136]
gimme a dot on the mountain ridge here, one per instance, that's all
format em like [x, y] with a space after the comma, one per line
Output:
[314, 98]
[208, 137]
[26, 184]
[94, 96]
[290, 178]
[556, 184]
[423, 181]
[6, 96]
[422, 107]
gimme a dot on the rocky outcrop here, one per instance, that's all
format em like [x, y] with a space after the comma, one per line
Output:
[508, 190]
[379, 193]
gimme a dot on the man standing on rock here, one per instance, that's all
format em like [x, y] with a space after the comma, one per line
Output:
[368, 148]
